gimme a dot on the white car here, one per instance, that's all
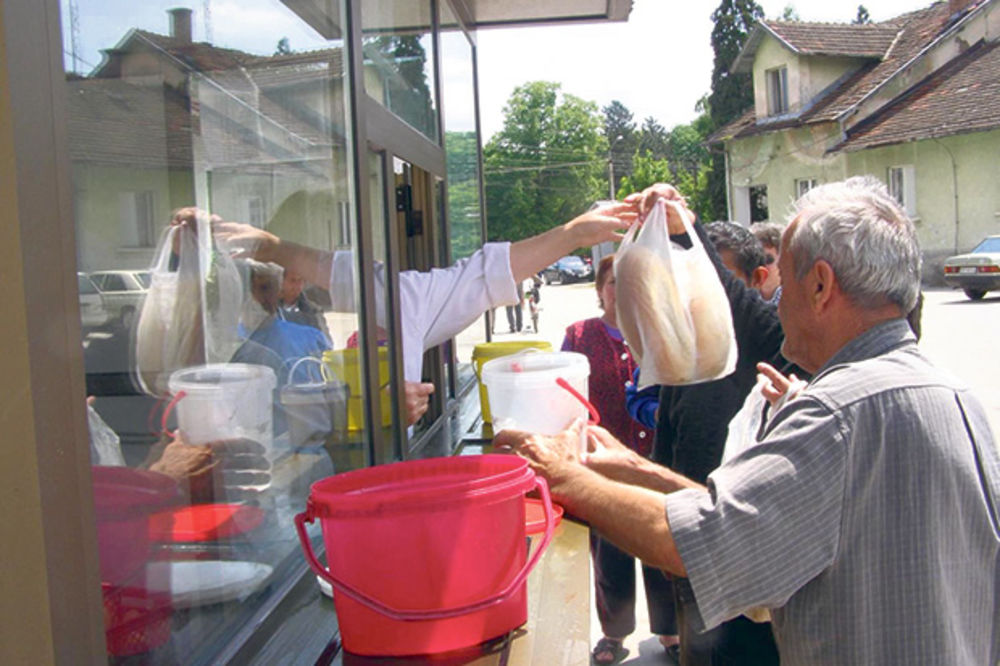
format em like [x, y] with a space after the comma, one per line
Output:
[92, 312]
[122, 292]
[978, 271]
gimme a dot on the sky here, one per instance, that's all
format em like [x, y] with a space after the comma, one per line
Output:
[658, 63]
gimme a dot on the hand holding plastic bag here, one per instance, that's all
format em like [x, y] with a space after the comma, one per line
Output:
[191, 311]
[670, 304]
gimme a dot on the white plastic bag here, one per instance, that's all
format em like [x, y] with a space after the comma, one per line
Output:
[191, 311]
[671, 306]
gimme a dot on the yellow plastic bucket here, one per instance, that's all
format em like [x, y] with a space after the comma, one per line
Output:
[487, 351]
[345, 364]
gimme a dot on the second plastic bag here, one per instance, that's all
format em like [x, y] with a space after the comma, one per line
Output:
[671, 306]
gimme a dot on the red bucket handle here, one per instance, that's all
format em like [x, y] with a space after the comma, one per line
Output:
[595, 416]
[169, 408]
[429, 614]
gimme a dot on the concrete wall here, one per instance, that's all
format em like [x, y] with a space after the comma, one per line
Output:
[777, 160]
[970, 160]
[808, 76]
[772, 54]
[96, 193]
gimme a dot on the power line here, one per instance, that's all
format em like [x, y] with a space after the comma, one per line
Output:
[541, 167]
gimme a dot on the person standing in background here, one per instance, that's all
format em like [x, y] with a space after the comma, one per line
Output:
[769, 235]
[515, 312]
[611, 366]
[295, 306]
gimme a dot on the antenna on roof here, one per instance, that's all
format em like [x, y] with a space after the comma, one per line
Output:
[207, 18]
[74, 34]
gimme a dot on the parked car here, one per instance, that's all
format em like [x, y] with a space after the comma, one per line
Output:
[122, 292]
[978, 271]
[92, 311]
[568, 269]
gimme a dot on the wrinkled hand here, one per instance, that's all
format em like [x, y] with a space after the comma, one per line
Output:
[187, 219]
[204, 470]
[552, 457]
[246, 241]
[417, 400]
[644, 200]
[605, 223]
[607, 456]
[778, 388]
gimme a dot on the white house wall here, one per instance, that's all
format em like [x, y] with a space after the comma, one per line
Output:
[770, 55]
[777, 160]
[978, 205]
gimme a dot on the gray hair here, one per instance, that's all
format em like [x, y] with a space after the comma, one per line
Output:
[863, 233]
[768, 233]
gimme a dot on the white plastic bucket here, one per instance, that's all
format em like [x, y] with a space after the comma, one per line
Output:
[525, 391]
[225, 401]
[316, 409]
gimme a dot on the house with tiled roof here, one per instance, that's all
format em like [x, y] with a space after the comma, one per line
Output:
[163, 119]
[914, 100]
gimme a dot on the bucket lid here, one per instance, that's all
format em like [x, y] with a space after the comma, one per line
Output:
[487, 350]
[528, 369]
[204, 522]
[534, 515]
[220, 377]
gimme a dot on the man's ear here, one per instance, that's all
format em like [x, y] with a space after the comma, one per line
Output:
[759, 276]
[822, 285]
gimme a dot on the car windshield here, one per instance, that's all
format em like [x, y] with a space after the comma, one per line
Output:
[85, 285]
[571, 261]
[143, 279]
[989, 245]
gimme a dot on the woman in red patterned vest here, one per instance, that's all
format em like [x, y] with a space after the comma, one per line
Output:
[611, 366]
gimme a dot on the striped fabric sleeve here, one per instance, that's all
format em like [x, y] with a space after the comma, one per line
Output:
[770, 521]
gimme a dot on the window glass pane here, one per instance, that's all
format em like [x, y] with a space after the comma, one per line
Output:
[461, 148]
[199, 469]
[460, 140]
[399, 61]
[758, 203]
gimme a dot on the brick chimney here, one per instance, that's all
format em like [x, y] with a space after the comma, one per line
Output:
[180, 24]
[956, 6]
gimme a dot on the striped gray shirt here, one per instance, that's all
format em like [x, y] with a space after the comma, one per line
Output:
[866, 518]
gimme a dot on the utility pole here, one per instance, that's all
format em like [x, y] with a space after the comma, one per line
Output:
[611, 167]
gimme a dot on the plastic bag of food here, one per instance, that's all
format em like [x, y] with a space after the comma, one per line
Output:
[191, 312]
[671, 306]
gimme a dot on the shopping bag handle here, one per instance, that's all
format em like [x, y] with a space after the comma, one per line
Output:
[357, 595]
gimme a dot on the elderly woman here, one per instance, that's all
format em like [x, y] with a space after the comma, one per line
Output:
[611, 366]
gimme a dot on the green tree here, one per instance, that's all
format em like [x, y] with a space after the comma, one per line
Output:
[284, 47]
[862, 16]
[546, 165]
[653, 139]
[402, 61]
[618, 123]
[789, 14]
[731, 93]
[464, 213]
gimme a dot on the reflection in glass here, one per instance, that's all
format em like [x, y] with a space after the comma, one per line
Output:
[214, 408]
[461, 144]
[399, 61]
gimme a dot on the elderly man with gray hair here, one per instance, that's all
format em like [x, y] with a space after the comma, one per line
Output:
[866, 518]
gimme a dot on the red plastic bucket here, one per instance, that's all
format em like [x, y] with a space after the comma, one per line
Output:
[427, 555]
[137, 605]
